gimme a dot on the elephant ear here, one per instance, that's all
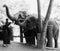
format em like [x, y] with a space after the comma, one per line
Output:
[31, 22]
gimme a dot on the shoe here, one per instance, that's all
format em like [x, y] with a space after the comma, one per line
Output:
[4, 45]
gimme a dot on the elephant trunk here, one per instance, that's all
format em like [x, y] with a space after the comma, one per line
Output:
[8, 14]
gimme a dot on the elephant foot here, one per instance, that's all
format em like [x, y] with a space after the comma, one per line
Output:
[56, 43]
[56, 46]
[49, 44]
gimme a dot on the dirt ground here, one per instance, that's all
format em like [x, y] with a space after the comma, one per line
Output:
[16, 46]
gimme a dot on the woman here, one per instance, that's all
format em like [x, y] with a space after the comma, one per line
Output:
[6, 34]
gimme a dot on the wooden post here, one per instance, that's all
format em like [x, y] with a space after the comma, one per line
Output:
[21, 35]
[50, 35]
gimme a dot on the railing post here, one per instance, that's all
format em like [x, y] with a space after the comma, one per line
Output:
[21, 35]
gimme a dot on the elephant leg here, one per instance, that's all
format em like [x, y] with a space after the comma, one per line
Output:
[56, 38]
[29, 37]
[49, 36]
[56, 43]
[26, 35]
[26, 40]
[49, 40]
[32, 37]
[49, 43]
[33, 40]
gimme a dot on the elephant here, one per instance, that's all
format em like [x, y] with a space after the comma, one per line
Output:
[55, 32]
[31, 23]
[30, 31]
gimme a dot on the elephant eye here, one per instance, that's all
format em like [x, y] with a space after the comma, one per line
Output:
[20, 16]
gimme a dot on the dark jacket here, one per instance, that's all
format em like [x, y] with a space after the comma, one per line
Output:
[6, 34]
